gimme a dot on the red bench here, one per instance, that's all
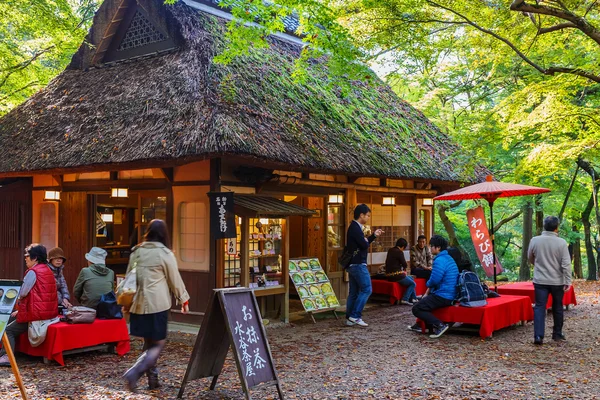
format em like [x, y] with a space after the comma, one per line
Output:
[500, 312]
[526, 289]
[63, 338]
[394, 290]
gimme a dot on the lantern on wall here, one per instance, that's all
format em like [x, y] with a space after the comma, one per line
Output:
[388, 201]
[51, 195]
[336, 198]
[119, 192]
[427, 201]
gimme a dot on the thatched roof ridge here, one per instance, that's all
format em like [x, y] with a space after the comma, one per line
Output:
[181, 106]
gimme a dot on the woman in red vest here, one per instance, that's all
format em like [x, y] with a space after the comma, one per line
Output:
[38, 300]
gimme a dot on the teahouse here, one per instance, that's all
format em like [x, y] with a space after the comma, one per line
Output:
[143, 124]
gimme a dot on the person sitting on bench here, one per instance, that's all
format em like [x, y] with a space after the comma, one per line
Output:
[441, 288]
[95, 280]
[395, 271]
[421, 259]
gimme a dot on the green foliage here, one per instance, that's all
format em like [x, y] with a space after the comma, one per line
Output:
[37, 39]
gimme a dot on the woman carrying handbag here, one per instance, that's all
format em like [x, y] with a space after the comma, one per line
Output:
[157, 278]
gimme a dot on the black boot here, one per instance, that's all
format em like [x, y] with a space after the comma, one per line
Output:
[133, 374]
[152, 375]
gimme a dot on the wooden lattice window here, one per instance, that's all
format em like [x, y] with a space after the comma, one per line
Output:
[141, 32]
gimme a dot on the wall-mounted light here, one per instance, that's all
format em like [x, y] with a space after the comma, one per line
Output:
[336, 198]
[287, 198]
[427, 201]
[388, 201]
[119, 192]
[51, 195]
[107, 217]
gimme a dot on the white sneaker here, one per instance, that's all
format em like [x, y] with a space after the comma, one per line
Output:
[350, 323]
[406, 303]
[4, 361]
[358, 321]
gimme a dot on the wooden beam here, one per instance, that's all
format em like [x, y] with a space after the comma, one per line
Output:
[59, 179]
[169, 174]
[114, 175]
[383, 182]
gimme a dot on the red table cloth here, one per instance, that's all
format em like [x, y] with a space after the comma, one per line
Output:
[526, 289]
[63, 336]
[421, 286]
[395, 290]
[500, 312]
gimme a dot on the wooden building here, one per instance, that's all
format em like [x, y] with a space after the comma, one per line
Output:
[143, 124]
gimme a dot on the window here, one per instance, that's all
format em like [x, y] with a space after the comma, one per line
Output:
[192, 235]
[336, 226]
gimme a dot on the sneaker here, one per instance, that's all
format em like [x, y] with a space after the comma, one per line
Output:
[406, 303]
[415, 328]
[439, 331]
[350, 323]
[358, 321]
[414, 301]
[4, 361]
[558, 337]
[538, 340]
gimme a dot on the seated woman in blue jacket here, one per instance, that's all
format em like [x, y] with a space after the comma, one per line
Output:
[442, 287]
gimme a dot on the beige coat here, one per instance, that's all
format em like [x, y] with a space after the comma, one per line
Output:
[157, 278]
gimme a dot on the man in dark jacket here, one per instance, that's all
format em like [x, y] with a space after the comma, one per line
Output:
[360, 279]
[441, 287]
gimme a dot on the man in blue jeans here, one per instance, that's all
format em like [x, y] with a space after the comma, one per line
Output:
[549, 255]
[360, 278]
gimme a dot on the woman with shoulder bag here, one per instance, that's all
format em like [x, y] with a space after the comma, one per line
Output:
[157, 278]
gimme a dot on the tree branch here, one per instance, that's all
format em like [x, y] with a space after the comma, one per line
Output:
[546, 71]
[555, 28]
[580, 23]
[23, 65]
[507, 219]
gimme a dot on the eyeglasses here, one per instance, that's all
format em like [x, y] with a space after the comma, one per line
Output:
[26, 255]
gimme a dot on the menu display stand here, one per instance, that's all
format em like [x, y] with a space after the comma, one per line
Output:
[9, 292]
[233, 319]
[313, 286]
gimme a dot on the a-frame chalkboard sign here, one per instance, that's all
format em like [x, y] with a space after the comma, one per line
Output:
[233, 319]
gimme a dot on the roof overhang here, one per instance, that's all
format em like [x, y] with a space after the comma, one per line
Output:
[253, 206]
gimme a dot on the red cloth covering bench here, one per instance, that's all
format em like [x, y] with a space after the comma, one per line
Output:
[500, 312]
[63, 337]
[395, 290]
[526, 289]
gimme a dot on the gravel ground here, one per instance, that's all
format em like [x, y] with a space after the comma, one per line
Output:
[384, 361]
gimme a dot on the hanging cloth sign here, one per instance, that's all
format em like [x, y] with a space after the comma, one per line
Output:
[222, 217]
[482, 242]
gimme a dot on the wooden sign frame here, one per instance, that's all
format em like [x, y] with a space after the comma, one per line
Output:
[213, 342]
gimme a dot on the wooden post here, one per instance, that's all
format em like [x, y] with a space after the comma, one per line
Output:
[13, 364]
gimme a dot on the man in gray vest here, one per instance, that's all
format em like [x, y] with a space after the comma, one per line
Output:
[549, 255]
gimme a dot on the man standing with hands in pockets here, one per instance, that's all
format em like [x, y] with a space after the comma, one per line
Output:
[360, 278]
[549, 255]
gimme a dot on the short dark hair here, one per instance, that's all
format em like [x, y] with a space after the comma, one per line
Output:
[421, 237]
[157, 232]
[551, 223]
[401, 242]
[438, 241]
[361, 209]
[37, 252]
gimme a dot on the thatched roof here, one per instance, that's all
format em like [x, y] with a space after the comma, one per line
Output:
[180, 106]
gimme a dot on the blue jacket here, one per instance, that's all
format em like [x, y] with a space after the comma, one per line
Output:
[355, 240]
[444, 276]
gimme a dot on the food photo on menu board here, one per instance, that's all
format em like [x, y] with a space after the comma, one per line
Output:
[9, 293]
[312, 284]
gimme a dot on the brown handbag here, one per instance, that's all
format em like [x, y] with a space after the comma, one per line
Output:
[80, 315]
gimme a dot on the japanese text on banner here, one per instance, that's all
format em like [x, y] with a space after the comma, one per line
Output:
[481, 241]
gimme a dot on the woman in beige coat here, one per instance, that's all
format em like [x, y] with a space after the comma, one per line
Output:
[157, 277]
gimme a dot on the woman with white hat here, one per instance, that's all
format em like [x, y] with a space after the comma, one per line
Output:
[94, 280]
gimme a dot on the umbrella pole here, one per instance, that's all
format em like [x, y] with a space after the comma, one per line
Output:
[493, 242]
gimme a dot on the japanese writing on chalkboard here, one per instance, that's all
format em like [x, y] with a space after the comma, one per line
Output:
[247, 340]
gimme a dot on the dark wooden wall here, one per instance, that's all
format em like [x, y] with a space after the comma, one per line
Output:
[73, 234]
[15, 227]
[199, 287]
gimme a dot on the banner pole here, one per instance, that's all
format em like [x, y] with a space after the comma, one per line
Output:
[13, 364]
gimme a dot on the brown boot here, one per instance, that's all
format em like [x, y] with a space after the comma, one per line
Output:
[152, 375]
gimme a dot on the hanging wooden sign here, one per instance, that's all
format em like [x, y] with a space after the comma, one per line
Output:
[222, 216]
[232, 319]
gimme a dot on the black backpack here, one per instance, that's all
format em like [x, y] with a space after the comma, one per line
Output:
[469, 290]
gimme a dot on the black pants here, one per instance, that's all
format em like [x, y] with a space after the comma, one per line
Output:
[423, 308]
[539, 311]
[421, 273]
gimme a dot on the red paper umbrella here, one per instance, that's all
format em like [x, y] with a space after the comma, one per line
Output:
[490, 191]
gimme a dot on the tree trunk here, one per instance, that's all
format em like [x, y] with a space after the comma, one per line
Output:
[452, 239]
[524, 269]
[564, 206]
[589, 248]
[577, 267]
[539, 215]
